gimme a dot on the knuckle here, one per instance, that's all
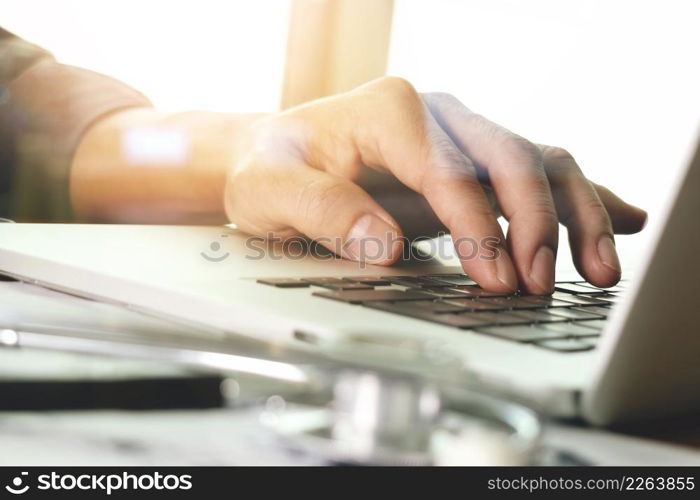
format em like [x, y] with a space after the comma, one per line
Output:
[492, 134]
[593, 204]
[518, 145]
[453, 167]
[537, 207]
[448, 154]
[541, 208]
[545, 221]
[590, 210]
[563, 171]
[399, 87]
[560, 166]
[549, 216]
[557, 153]
[479, 211]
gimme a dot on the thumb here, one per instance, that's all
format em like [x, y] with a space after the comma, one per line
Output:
[341, 216]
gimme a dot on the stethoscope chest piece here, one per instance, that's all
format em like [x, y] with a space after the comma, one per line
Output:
[380, 419]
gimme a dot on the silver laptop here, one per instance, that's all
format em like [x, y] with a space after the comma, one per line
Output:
[608, 355]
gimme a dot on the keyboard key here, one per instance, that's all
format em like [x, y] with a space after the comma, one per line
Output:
[540, 316]
[469, 320]
[572, 329]
[581, 300]
[576, 288]
[545, 301]
[412, 281]
[360, 296]
[368, 280]
[456, 320]
[337, 284]
[612, 289]
[438, 306]
[522, 333]
[283, 282]
[502, 318]
[454, 280]
[346, 285]
[570, 344]
[475, 291]
[601, 311]
[444, 293]
[476, 304]
[597, 324]
[511, 302]
[322, 279]
[433, 282]
[575, 313]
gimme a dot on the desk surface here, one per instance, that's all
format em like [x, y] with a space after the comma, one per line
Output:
[229, 437]
[225, 437]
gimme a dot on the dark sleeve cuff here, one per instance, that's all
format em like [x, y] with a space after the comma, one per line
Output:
[50, 106]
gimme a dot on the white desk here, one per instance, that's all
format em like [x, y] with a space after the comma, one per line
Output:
[222, 437]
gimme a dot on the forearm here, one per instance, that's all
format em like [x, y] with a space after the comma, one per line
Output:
[147, 166]
[46, 109]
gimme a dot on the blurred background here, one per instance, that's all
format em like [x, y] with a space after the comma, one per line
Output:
[615, 82]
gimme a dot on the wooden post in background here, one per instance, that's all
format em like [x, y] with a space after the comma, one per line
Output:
[334, 46]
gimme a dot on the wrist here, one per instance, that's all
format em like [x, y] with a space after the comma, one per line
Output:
[146, 166]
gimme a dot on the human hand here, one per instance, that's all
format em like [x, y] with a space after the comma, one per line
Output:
[429, 163]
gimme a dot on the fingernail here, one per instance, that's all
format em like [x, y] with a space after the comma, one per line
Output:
[371, 239]
[646, 220]
[542, 269]
[608, 254]
[505, 271]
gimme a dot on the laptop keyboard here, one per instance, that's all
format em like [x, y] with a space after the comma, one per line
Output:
[569, 320]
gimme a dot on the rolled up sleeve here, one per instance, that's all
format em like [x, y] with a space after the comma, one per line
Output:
[45, 108]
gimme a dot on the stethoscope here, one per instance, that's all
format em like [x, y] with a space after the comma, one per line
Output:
[372, 405]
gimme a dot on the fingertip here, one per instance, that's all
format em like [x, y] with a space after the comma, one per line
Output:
[495, 285]
[505, 273]
[395, 252]
[599, 274]
[643, 218]
[540, 280]
[374, 240]
[625, 218]
[607, 254]
[646, 220]
[603, 279]
[632, 222]
[494, 274]
[597, 261]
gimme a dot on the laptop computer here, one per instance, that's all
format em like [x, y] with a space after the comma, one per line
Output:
[607, 355]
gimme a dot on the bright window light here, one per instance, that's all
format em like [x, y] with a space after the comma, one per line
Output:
[617, 83]
[204, 54]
